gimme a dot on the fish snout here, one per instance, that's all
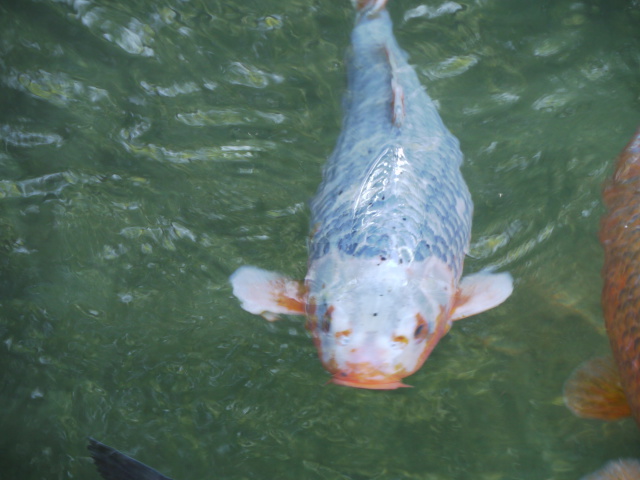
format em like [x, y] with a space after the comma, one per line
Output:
[368, 361]
[367, 375]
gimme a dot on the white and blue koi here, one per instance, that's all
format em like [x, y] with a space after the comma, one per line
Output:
[390, 228]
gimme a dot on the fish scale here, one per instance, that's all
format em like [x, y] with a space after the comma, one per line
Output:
[383, 179]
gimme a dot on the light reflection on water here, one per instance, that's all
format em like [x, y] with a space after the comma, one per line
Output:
[150, 149]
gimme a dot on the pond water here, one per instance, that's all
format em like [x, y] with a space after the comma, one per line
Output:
[151, 148]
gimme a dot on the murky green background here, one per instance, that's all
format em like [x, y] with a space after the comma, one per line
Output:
[149, 148]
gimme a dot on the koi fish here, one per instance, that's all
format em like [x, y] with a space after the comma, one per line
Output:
[390, 227]
[601, 388]
[609, 388]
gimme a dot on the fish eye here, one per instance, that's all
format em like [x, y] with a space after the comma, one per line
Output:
[422, 329]
[325, 322]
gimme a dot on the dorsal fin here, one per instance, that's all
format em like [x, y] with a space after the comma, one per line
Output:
[372, 6]
[397, 92]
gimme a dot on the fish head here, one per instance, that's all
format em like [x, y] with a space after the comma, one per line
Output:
[376, 322]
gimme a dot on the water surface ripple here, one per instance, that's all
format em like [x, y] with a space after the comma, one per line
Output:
[150, 148]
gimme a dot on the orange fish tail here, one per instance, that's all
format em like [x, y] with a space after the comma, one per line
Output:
[594, 391]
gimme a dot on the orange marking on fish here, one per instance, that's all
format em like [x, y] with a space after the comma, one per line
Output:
[343, 334]
[365, 375]
[401, 339]
[283, 296]
[292, 304]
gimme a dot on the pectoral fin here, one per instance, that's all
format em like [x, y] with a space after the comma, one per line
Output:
[622, 469]
[479, 292]
[268, 293]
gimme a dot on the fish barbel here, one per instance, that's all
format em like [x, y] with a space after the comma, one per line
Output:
[390, 227]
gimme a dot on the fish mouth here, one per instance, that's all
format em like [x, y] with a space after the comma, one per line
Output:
[365, 375]
[370, 385]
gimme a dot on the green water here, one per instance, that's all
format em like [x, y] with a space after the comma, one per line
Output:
[151, 148]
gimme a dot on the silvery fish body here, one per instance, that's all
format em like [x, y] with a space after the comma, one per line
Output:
[390, 227]
[392, 187]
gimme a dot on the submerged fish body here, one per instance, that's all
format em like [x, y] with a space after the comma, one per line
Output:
[609, 388]
[620, 237]
[390, 227]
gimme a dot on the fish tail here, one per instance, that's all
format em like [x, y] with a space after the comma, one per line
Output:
[594, 390]
[369, 6]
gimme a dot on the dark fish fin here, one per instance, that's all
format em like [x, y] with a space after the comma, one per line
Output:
[624, 469]
[397, 92]
[114, 465]
[594, 391]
